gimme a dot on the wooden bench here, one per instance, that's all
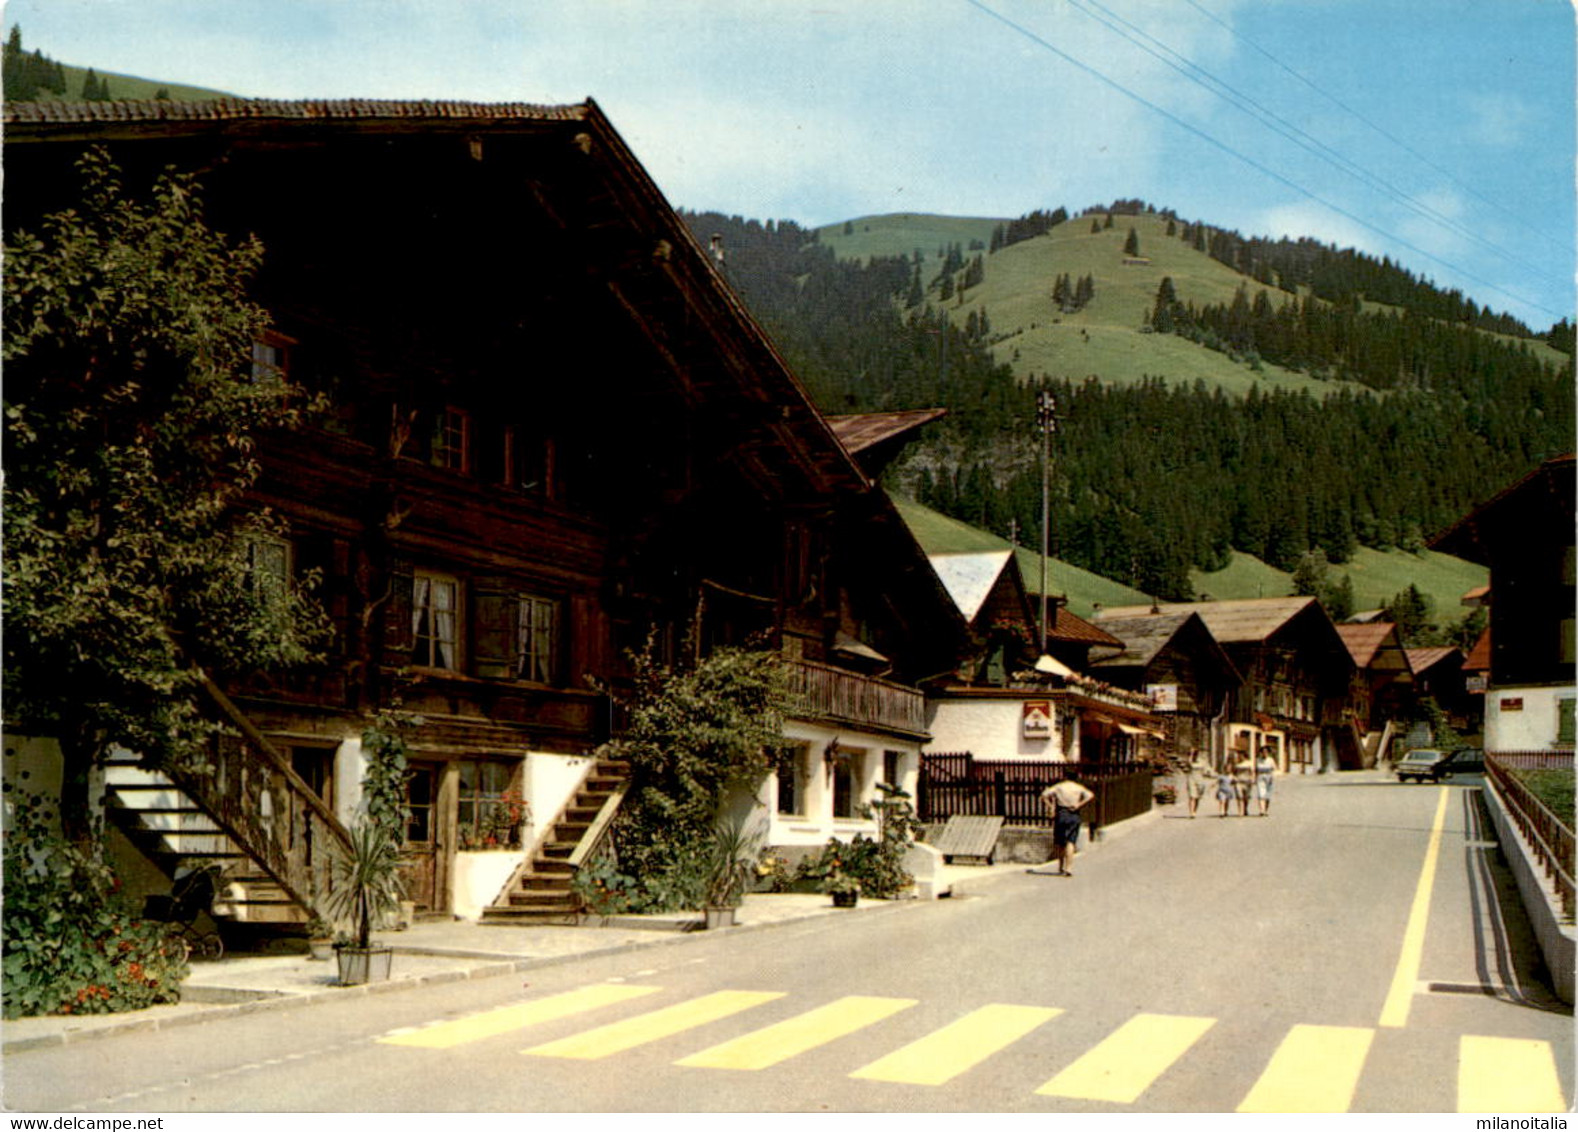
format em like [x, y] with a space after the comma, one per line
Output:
[971, 837]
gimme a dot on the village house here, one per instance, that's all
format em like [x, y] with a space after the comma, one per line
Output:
[1524, 534]
[1296, 673]
[1382, 693]
[555, 436]
[1174, 659]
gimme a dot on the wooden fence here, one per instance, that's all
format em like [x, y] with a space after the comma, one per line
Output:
[1533, 760]
[960, 784]
[1548, 836]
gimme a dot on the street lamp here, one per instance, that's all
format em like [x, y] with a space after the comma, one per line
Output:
[1046, 418]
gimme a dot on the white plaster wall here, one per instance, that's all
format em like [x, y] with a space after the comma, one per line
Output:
[32, 765]
[350, 767]
[478, 879]
[991, 729]
[1533, 728]
[550, 781]
[816, 823]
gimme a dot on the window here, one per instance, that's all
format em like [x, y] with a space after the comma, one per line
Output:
[848, 773]
[527, 459]
[451, 439]
[1564, 721]
[269, 358]
[892, 766]
[434, 602]
[789, 766]
[268, 567]
[537, 634]
[491, 808]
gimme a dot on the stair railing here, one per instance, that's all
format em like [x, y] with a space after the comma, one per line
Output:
[251, 792]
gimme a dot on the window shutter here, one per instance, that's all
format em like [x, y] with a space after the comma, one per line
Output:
[398, 640]
[493, 646]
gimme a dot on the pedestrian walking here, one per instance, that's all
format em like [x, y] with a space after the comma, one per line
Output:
[1196, 779]
[1243, 783]
[1065, 800]
[1224, 789]
[1265, 771]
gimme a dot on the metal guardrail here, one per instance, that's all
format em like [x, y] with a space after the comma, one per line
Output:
[1533, 760]
[1548, 836]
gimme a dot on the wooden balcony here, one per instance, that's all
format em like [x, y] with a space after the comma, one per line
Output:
[820, 693]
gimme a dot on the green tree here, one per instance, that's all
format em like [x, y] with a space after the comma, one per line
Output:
[1131, 243]
[1410, 610]
[131, 409]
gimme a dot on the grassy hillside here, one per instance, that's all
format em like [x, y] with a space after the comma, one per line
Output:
[1377, 575]
[131, 87]
[1108, 338]
[938, 534]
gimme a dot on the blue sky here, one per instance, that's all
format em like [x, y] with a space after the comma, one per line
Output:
[1439, 132]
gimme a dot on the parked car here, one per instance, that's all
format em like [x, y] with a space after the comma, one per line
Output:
[1428, 763]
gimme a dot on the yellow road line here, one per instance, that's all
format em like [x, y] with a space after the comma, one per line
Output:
[1315, 1069]
[962, 1044]
[443, 1035]
[620, 1036]
[1405, 980]
[1125, 1064]
[1507, 1075]
[795, 1035]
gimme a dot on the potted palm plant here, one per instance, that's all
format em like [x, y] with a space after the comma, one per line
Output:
[367, 887]
[731, 866]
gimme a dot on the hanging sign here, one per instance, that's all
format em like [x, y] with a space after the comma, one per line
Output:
[1164, 697]
[1037, 721]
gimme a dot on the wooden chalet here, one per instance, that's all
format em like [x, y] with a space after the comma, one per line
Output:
[1439, 675]
[555, 433]
[1173, 658]
[1525, 535]
[1296, 673]
[1382, 688]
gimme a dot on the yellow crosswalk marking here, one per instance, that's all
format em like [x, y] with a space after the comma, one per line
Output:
[443, 1035]
[1125, 1064]
[1315, 1069]
[794, 1036]
[620, 1036]
[962, 1044]
[1507, 1075]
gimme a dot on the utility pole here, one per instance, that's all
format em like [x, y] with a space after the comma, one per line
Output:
[1046, 418]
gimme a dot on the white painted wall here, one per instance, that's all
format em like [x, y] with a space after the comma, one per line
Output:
[32, 765]
[1533, 727]
[815, 823]
[992, 728]
[550, 782]
[478, 879]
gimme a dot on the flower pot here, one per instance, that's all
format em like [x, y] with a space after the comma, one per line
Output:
[718, 918]
[320, 948]
[845, 899]
[364, 964]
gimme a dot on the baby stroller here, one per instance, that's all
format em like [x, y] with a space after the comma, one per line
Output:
[191, 896]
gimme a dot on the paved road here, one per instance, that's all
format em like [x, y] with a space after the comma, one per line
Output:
[1357, 950]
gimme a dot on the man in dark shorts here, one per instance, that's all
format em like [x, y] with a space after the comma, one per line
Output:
[1064, 799]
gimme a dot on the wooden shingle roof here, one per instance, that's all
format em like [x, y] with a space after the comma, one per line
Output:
[1230, 622]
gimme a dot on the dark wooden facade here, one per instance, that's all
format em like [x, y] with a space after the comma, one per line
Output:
[554, 433]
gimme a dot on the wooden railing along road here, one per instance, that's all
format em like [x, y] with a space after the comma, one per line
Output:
[960, 784]
[1548, 836]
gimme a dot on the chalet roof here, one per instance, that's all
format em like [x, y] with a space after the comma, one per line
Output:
[244, 109]
[1140, 638]
[969, 578]
[1550, 487]
[1478, 659]
[569, 170]
[860, 431]
[1365, 640]
[1421, 661]
[1067, 627]
[1230, 622]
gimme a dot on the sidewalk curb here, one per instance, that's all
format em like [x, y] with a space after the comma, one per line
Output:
[491, 965]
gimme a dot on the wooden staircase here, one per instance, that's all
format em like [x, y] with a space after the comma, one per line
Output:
[539, 892]
[244, 809]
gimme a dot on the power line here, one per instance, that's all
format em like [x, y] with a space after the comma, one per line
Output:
[1385, 133]
[1295, 134]
[1250, 161]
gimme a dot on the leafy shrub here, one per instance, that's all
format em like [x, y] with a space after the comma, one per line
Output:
[877, 864]
[602, 889]
[71, 943]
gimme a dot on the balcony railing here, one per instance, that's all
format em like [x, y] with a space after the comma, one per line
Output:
[820, 693]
